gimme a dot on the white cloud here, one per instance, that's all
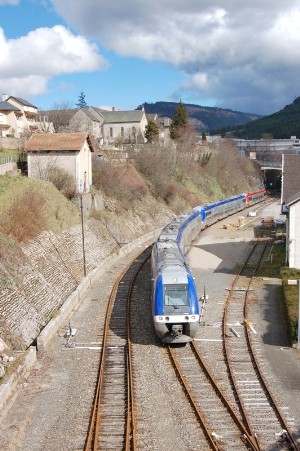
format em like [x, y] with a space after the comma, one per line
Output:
[250, 50]
[29, 62]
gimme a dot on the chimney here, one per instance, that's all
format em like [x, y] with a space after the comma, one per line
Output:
[4, 97]
[113, 108]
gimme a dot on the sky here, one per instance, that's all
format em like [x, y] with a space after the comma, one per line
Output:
[241, 55]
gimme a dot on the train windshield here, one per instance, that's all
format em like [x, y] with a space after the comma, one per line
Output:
[175, 295]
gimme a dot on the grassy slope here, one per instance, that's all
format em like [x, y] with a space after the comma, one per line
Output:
[59, 212]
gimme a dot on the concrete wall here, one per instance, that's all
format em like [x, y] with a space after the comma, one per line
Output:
[8, 167]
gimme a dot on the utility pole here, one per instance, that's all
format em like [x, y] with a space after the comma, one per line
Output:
[82, 229]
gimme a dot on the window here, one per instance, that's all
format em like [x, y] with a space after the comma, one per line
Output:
[175, 295]
[122, 132]
[1, 118]
[111, 132]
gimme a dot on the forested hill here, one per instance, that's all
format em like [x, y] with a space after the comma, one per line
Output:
[202, 117]
[281, 125]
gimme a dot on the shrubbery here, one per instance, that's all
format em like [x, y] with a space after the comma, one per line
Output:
[120, 182]
[25, 219]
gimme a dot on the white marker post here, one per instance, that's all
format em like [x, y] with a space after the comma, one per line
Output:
[297, 282]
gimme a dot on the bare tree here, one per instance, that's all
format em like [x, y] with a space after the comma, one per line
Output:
[60, 116]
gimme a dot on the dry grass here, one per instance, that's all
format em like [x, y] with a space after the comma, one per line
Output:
[25, 218]
[58, 212]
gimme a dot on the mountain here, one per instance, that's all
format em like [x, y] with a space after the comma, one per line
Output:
[203, 118]
[281, 125]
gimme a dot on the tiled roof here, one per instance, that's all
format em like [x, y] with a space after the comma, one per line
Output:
[43, 142]
[24, 102]
[6, 106]
[122, 116]
[291, 176]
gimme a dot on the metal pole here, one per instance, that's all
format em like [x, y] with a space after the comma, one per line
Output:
[82, 228]
[298, 314]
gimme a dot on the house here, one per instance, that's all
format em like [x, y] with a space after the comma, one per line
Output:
[126, 126]
[111, 127]
[88, 120]
[163, 124]
[293, 231]
[19, 118]
[71, 152]
[290, 206]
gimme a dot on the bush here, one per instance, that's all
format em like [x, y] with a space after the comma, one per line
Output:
[62, 180]
[121, 182]
[25, 219]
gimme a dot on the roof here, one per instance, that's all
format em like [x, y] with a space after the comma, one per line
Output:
[49, 142]
[121, 116]
[6, 106]
[24, 102]
[293, 199]
[92, 113]
[290, 179]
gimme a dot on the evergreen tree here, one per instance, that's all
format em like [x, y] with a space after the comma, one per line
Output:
[179, 121]
[81, 101]
[203, 136]
[151, 131]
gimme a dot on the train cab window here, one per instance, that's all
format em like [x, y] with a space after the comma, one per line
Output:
[175, 295]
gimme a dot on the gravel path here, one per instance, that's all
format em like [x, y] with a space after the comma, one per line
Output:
[52, 411]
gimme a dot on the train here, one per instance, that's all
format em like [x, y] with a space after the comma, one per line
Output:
[174, 299]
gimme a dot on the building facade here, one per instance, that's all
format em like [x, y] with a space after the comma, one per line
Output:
[71, 152]
[19, 118]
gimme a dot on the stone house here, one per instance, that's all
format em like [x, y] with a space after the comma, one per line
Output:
[20, 118]
[71, 152]
[163, 124]
[110, 127]
[290, 206]
[124, 126]
[88, 120]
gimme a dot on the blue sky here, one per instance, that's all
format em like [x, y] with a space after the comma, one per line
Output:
[228, 54]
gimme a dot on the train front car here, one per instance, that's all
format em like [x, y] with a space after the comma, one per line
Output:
[174, 296]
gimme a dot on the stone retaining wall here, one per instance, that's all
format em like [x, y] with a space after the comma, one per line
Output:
[37, 278]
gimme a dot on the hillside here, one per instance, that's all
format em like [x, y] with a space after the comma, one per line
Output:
[202, 117]
[280, 125]
[41, 247]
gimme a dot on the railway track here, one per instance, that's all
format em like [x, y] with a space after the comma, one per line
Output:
[260, 411]
[113, 423]
[234, 404]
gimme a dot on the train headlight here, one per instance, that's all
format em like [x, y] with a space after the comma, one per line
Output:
[160, 318]
[167, 318]
[193, 317]
[187, 318]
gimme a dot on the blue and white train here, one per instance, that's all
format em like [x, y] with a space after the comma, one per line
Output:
[175, 306]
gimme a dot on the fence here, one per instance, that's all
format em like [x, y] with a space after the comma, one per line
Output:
[10, 159]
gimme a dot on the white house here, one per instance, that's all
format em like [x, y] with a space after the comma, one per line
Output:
[19, 118]
[293, 231]
[290, 206]
[71, 152]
